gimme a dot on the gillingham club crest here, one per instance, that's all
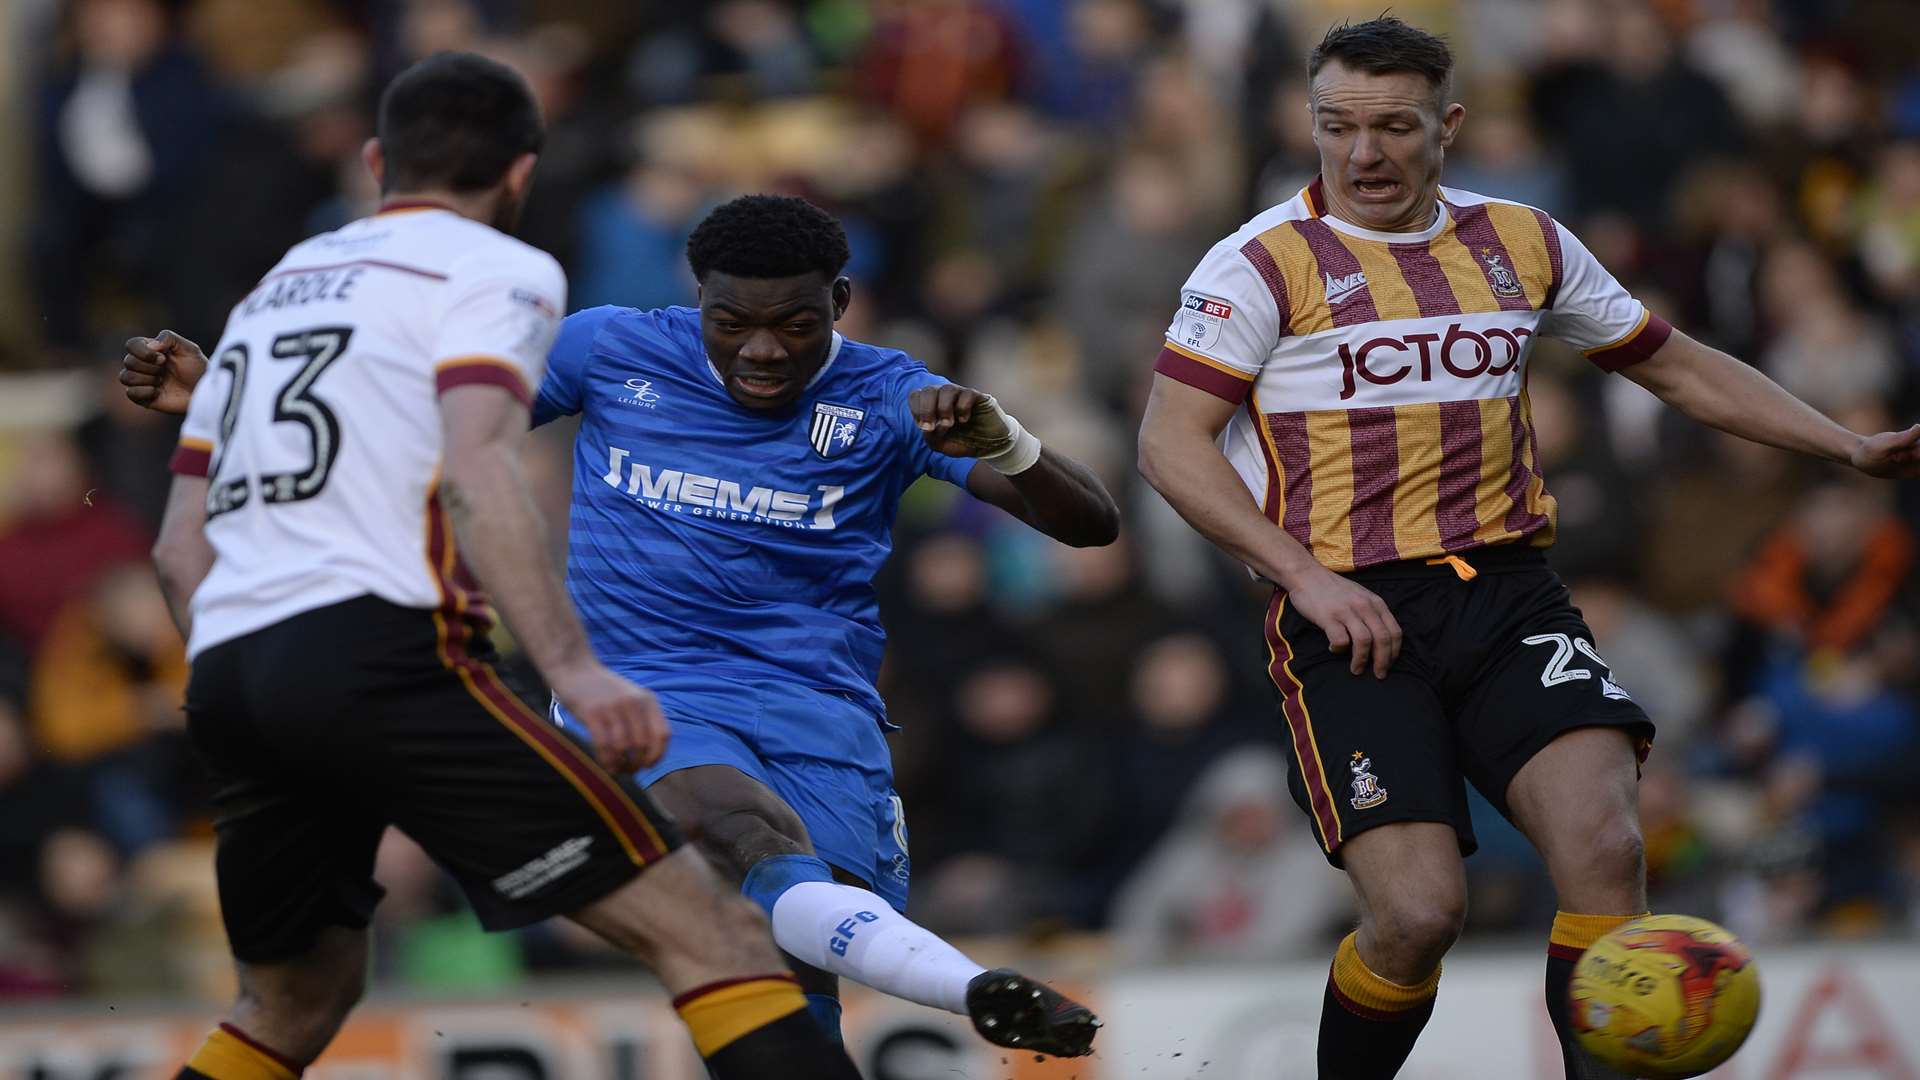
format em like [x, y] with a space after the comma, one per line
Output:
[835, 427]
[1367, 791]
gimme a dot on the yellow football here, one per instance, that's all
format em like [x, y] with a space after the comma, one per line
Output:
[1664, 997]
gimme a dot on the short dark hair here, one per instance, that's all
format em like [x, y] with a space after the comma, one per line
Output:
[768, 236]
[456, 121]
[1386, 46]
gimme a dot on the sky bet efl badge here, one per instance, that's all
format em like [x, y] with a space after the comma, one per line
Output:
[834, 428]
[1201, 320]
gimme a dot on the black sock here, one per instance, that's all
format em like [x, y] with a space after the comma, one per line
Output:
[793, 1047]
[1572, 934]
[1354, 1046]
[1580, 1065]
[1368, 1024]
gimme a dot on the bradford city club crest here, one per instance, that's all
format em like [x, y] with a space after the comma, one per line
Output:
[834, 428]
[1366, 786]
[1504, 283]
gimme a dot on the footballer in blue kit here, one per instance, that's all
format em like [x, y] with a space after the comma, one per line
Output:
[723, 559]
[736, 476]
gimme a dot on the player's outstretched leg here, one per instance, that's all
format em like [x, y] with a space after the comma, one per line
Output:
[832, 928]
[1577, 801]
[854, 933]
[1412, 888]
[710, 947]
[287, 1012]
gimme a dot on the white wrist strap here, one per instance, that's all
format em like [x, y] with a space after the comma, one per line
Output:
[1020, 454]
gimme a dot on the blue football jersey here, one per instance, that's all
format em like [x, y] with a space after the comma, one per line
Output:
[708, 538]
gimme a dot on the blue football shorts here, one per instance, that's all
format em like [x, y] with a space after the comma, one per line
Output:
[826, 756]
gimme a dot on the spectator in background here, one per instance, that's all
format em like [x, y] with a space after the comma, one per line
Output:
[738, 50]
[1282, 142]
[1010, 764]
[1708, 512]
[107, 690]
[1889, 227]
[58, 540]
[1822, 157]
[1178, 116]
[1599, 511]
[1841, 735]
[123, 123]
[928, 61]
[37, 801]
[1826, 581]
[1235, 881]
[298, 116]
[632, 233]
[1099, 613]
[1120, 263]
[1824, 348]
[1001, 216]
[1501, 156]
[1629, 115]
[37, 798]
[1183, 717]
[1729, 217]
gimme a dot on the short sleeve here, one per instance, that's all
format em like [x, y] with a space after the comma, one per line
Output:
[1227, 325]
[500, 323]
[1593, 313]
[563, 386]
[926, 461]
[193, 455]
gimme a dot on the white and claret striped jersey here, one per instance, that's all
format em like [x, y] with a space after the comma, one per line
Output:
[318, 422]
[1383, 375]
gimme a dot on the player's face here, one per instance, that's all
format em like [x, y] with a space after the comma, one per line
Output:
[1382, 140]
[767, 337]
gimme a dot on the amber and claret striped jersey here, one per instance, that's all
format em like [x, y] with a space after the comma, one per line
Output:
[1383, 375]
[317, 424]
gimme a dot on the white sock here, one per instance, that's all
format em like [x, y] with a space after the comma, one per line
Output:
[853, 933]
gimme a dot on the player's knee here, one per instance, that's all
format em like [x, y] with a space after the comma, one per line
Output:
[300, 1017]
[1418, 932]
[739, 839]
[1618, 852]
[726, 938]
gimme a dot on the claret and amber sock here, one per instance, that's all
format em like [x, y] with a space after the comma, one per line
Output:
[232, 1054]
[1367, 1024]
[759, 1027]
[1571, 935]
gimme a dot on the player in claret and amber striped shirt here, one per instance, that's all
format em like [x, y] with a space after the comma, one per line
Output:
[1341, 403]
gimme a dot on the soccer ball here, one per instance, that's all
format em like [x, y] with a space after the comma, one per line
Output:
[1664, 997]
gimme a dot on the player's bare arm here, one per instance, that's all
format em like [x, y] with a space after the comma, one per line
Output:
[160, 372]
[182, 556]
[1181, 459]
[498, 527]
[1049, 491]
[1718, 390]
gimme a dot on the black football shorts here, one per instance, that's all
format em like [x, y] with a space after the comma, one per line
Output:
[1490, 671]
[325, 728]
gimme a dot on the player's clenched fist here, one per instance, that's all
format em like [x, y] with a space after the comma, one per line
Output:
[628, 729]
[160, 372]
[1353, 617]
[960, 422]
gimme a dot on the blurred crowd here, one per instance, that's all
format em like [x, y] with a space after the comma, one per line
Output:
[1089, 742]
